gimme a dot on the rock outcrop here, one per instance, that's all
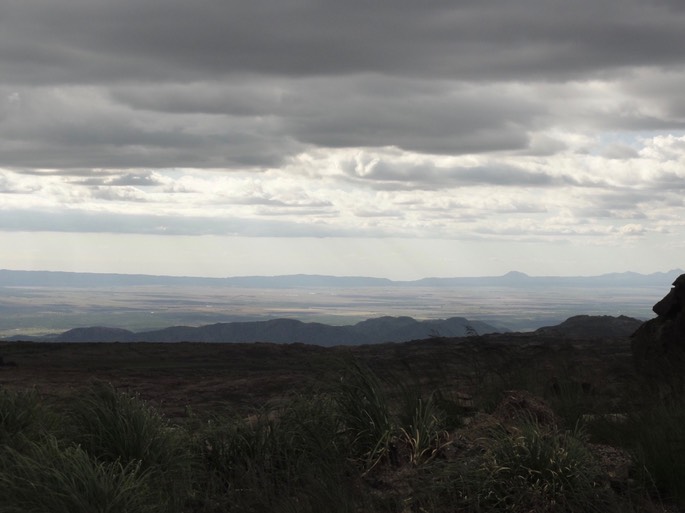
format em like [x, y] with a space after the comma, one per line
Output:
[658, 346]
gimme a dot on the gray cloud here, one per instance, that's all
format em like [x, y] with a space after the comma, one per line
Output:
[119, 194]
[101, 222]
[427, 175]
[81, 127]
[619, 151]
[9, 185]
[668, 181]
[137, 179]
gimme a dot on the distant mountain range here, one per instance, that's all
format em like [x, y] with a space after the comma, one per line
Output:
[371, 331]
[287, 330]
[10, 278]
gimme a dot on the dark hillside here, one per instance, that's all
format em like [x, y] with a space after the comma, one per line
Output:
[285, 331]
[98, 333]
[245, 375]
[593, 326]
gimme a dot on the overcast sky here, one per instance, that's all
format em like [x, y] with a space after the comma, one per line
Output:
[400, 139]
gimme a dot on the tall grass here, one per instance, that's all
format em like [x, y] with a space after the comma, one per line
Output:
[369, 445]
[422, 427]
[364, 408]
[290, 459]
[659, 447]
[655, 437]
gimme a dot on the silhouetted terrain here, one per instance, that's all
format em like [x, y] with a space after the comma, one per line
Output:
[11, 278]
[284, 331]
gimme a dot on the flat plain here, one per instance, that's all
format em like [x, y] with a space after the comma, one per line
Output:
[45, 310]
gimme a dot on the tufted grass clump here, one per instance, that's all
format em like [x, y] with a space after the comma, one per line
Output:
[48, 476]
[533, 469]
[23, 417]
[523, 468]
[118, 428]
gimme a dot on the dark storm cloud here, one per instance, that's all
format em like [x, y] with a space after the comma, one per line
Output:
[236, 85]
[69, 41]
[359, 111]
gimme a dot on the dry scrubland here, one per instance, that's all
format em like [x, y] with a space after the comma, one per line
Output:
[498, 423]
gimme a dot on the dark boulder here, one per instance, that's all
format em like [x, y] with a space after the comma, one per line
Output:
[658, 345]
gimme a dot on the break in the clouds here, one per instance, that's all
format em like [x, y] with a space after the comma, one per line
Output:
[530, 122]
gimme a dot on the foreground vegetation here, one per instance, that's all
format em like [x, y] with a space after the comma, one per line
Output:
[365, 445]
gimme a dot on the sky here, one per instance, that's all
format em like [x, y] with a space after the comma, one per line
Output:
[398, 139]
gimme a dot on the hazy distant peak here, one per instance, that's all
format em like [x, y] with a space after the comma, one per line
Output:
[97, 333]
[515, 274]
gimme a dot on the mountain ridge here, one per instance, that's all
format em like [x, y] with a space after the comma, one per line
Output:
[16, 278]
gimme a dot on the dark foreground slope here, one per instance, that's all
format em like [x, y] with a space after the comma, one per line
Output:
[243, 376]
